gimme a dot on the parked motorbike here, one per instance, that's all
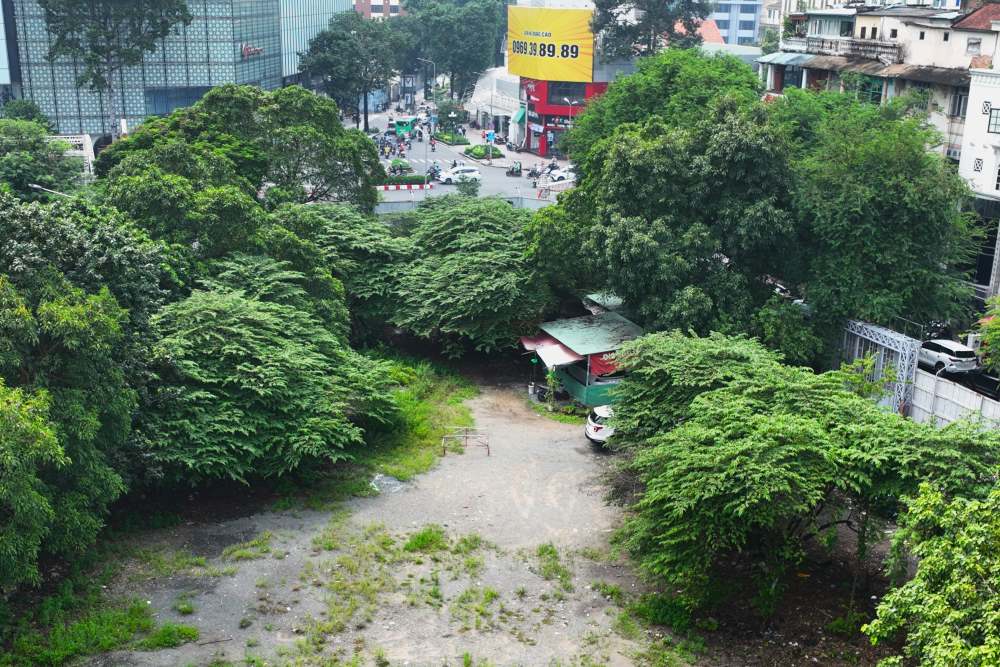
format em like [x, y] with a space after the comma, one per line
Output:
[535, 172]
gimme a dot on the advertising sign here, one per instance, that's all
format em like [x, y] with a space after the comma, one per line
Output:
[550, 44]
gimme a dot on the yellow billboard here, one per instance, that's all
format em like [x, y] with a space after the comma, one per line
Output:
[550, 44]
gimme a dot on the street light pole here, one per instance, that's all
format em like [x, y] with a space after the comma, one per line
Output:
[36, 186]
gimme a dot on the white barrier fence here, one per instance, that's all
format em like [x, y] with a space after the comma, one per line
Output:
[942, 401]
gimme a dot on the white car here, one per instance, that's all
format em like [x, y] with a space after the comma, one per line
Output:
[567, 174]
[597, 429]
[459, 174]
[947, 355]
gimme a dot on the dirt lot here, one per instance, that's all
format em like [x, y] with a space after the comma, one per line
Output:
[509, 577]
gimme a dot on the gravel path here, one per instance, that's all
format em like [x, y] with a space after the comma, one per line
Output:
[498, 601]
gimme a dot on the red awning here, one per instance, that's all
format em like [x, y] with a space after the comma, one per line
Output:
[603, 363]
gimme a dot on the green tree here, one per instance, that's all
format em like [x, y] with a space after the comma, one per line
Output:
[643, 27]
[470, 283]
[29, 157]
[770, 41]
[687, 219]
[677, 85]
[104, 36]
[28, 444]
[350, 59]
[251, 386]
[948, 612]
[25, 110]
[880, 230]
[61, 340]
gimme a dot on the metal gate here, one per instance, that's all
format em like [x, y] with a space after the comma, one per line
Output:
[889, 349]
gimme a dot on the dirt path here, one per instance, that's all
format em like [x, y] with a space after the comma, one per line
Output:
[369, 582]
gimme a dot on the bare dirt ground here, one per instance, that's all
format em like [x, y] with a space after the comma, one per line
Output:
[368, 582]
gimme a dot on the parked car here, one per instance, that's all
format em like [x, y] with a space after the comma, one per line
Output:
[597, 429]
[980, 382]
[947, 355]
[460, 173]
[562, 174]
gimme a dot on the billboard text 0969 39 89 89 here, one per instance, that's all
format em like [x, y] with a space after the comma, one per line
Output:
[550, 44]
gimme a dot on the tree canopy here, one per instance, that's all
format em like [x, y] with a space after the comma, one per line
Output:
[642, 27]
[29, 157]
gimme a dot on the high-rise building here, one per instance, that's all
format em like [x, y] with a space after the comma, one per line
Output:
[738, 21]
[252, 42]
[8, 53]
[379, 9]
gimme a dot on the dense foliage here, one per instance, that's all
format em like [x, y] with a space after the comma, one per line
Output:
[469, 282]
[768, 458]
[641, 27]
[285, 146]
[696, 199]
[950, 611]
[28, 157]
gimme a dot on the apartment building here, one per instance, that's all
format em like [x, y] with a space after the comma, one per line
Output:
[379, 9]
[738, 21]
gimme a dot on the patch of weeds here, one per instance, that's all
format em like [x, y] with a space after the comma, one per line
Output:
[256, 548]
[332, 536]
[521, 592]
[183, 605]
[95, 630]
[848, 625]
[253, 642]
[245, 622]
[473, 565]
[610, 591]
[378, 655]
[430, 402]
[626, 626]
[212, 571]
[168, 563]
[658, 609]
[551, 567]
[595, 554]
[469, 661]
[473, 608]
[168, 635]
[561, 415]
[428, 539]
[466, 544]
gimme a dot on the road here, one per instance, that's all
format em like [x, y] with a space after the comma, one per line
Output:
[495, 181]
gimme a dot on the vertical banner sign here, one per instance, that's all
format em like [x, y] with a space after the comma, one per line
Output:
[550, 44]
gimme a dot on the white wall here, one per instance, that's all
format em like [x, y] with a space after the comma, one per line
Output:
[941, 402]
[980, 148]
[933, 51]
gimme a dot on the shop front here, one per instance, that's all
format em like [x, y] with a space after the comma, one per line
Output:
[550, 108]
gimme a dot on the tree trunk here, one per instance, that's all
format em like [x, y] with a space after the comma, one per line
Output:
[365, 105]
[451, 83]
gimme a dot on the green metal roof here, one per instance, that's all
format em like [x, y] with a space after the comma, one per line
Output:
[592, 334]
[607, 300]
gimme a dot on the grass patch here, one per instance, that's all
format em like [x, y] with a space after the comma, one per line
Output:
[256, 548]
[184, 607]
[473, 608]
[428, 539]
[466, 544]
[168, 563]
[610, 591]
[96, 630]
[431, 401]
[551, 567]
[168, 635]
[566, 415]
[626, 626]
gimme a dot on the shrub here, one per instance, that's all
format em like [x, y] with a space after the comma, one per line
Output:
[480, 151]
[406, 179]
[451, 138]
[169, 635]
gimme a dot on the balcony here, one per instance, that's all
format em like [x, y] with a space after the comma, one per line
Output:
[872, 49]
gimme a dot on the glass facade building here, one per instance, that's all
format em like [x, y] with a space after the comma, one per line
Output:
[301, 20]
[227, 41]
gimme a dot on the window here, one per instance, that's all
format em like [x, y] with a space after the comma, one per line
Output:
[959, 103]
[746, 25]
[864, 32]
[972, 46]
[945, 38]
[893, 33]
[870, 90]
[574, 92]
[994, 125]
[722, 24]
[874, 32]
[748, 9]
[393, 9]
[846, 28]
[998, 180]
[921, 34]
[745, 41]
[723, 8]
